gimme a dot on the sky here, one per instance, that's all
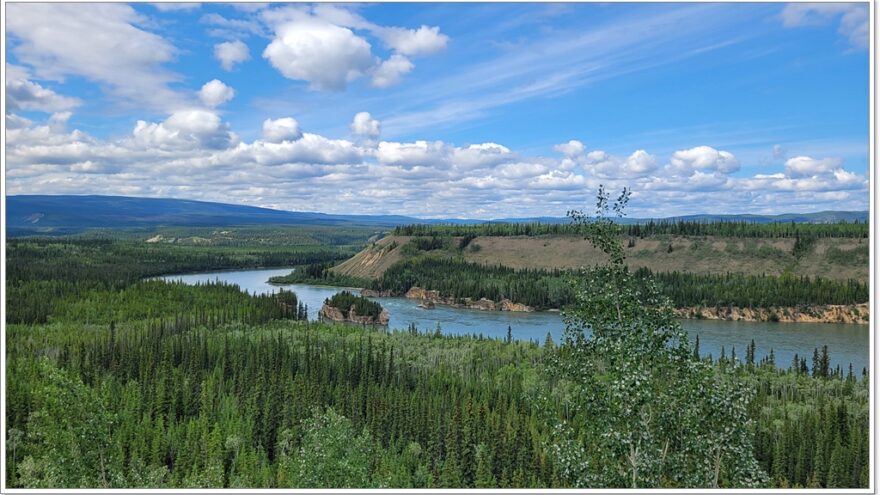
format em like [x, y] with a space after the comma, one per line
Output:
[443, 110]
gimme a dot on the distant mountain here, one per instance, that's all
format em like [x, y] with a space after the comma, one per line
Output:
[34, 214]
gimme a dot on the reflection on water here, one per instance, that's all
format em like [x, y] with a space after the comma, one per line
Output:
[846, 343]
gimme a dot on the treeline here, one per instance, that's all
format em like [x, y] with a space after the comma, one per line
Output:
[45, 277]
[650, 228]
[318, 274]
[541, 289]
[755, 291]
[544, 289]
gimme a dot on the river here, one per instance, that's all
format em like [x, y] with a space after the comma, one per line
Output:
[846, 343]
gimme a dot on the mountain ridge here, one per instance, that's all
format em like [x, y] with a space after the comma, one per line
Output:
[59, 214]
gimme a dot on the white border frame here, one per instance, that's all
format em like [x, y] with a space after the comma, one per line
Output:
[873, 191]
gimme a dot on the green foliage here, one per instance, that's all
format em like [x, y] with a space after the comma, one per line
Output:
[643, 412]
[47, 277]
[458, 279]
[344, 301]
[136, 383]
[318, 274]
[331, 454]
[545, 289]
[740, 229]
[858, 256]
[747, 291]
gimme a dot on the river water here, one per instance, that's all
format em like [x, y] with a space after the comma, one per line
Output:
[846, 343]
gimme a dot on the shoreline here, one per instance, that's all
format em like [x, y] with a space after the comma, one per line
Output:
[851, 314]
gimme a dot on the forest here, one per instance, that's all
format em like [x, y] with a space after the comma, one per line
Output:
[548, 289]
[115, 380]
[650, 228]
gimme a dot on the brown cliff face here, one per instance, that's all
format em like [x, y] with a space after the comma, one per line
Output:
[429, 298]
[334, 314]
[853, 313]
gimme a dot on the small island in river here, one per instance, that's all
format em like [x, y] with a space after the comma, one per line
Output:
[347, 307]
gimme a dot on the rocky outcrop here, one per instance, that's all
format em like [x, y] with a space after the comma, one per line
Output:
[482, 304]
[849, 313]
[334, 314]
[430, 298]
[424, 294]
[508, 305]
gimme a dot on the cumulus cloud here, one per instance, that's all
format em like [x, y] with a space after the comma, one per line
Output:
[215, 93]
[324, 55]
[285, 129]
[853, 18]
[185, 129]
[389, 72]
[571, 149]
[102, 42]
[425, 40]
[326, 46]
[365, 125]
[477, 156]
[291, 169]
[702, 159]
[419, 153]
[14, 121]
[23, 94]
[230, 53]
[639, 164]
[804, 166]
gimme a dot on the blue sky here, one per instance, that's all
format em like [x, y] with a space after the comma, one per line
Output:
[470, 110]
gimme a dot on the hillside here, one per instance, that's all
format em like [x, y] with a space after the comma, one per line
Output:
[834, 258]
[69, 214]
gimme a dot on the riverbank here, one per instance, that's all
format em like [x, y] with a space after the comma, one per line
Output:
[844, 313]
[850, 314]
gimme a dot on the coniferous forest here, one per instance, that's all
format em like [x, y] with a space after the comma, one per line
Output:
[116, 380]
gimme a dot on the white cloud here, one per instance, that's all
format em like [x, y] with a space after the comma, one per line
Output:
[14, 121]
[639, 164]
[230, 53]
[100, 42]
[308, 149]
[483, 155]
[215, 93]
[285, 129]
[176, 6]
[425, 40]
[289, 169]
[419, 153]
[389, 72]
[804, 166]
[365, 125]
[23, 94]
[702, 158]
[185, 129]
[325, 55]
[231, 28]
[325, 46]
[853, 18]
[570, 149]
